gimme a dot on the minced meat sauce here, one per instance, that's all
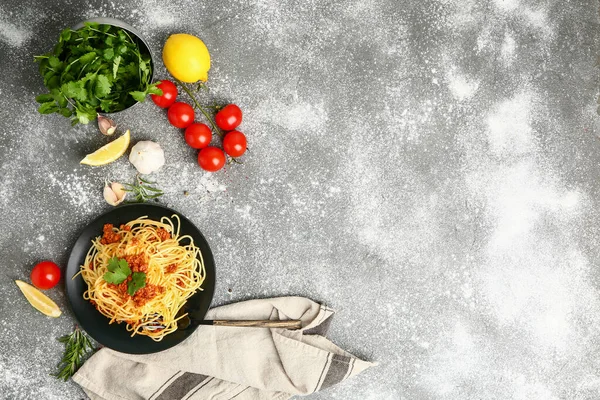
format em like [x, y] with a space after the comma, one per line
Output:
[142, 296]
[109, 235]
[171, 268]
[147, 293]
[163, 234]
[137, 262]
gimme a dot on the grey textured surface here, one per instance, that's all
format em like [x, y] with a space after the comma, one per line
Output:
[427, 168]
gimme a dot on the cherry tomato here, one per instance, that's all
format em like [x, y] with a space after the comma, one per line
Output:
[211, 159]
[181, 115]
[234, 143]
[198, 136]
[45, 275]
[229, 117]
[169, 94]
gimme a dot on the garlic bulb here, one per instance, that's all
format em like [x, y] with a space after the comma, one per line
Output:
[147, 157]
[114, 193]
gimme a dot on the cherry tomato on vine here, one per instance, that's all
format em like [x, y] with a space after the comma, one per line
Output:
[45, 275]
[234, 143]
[198, 136]
[211, 159]
[169, 94]
[181, 115]
[229, 117]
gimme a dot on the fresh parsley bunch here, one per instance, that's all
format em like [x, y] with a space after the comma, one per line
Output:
[95, 68]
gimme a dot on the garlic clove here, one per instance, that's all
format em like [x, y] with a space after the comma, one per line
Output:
[110, 196]
[119, 191]
[114, 193]
[106, 125]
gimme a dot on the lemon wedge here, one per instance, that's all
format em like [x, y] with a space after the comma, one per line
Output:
[108, 153]
[39, 300]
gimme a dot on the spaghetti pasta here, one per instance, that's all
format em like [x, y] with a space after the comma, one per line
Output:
[172, 264]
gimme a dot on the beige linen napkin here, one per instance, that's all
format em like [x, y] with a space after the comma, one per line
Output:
[218, 362]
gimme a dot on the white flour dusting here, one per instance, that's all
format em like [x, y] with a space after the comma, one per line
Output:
[295, 116]
[534, 281]
[462, 15]
[105, 10]
[13, 35]
[539, 20]
[484, 40]
[507, 5]
[509, 132]
[508, 49]
[529, 276]
[160, 17]
[524, 389]
[527, 280]
[521, 195]
[405, 121]
[527, 18]
[276, 27]
[158, 13]
[18, 27]
[460, 86]
[460, 348]
[80, 192]
[210, 183]
[379, 222]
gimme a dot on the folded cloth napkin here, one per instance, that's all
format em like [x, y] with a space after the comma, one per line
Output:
[218, 362]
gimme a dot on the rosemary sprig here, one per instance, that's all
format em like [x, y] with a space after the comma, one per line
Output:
[77, 348]
[143, 190]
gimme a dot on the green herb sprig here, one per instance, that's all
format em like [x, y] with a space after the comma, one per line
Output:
[138, 281]
[77, 349]
[97, 67]
[119, 271]
[143, 190]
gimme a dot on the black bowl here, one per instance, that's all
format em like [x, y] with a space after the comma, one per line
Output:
[116, 336]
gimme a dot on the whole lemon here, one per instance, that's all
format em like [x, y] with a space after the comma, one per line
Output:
[186, 58]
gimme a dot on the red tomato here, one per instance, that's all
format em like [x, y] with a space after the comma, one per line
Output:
[234, 143]
[45, 275]
[181, 115]
[211, 159]
[229, 117]
[169, 94]
[198, 136]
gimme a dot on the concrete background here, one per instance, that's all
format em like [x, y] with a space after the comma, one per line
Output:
[427, 168]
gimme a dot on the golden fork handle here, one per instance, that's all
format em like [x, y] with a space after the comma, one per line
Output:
[266, 323]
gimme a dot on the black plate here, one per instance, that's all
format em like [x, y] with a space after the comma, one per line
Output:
[115, 336]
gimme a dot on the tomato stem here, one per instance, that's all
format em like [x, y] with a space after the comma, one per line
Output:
[210, 121]
[189, 92]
